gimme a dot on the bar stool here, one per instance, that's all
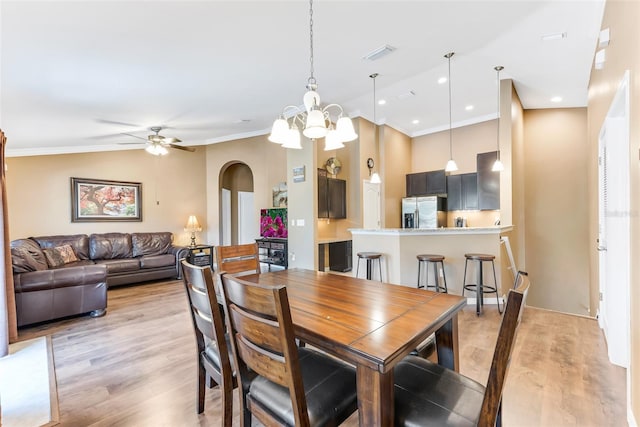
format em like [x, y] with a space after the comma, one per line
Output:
[435, 260]
[369, 257]
[480, 288]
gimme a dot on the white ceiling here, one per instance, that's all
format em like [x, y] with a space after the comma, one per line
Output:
[76, 75]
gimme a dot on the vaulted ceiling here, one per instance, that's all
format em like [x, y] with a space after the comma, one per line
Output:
[80, 76]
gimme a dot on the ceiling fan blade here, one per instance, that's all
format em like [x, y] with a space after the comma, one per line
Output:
[171, 140]
[131, 143]
[180, 147]
[113, 122]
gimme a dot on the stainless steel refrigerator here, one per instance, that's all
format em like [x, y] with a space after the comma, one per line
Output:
[424, 212]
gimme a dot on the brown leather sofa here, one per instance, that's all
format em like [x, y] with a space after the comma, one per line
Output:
[49, 286]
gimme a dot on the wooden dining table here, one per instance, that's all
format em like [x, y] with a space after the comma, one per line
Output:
[371, 325]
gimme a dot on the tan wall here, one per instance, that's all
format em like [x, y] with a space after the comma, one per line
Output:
[623, 53]
[431, 152]
[556, 233]
[395, 162]
[173, 187]
[267, 162]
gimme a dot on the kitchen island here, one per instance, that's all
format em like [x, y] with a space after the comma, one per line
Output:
[399, 248]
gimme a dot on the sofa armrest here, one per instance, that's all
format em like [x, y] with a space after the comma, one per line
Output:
[60, 278]
[180, 252]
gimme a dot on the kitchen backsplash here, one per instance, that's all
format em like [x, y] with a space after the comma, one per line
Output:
[474, 218]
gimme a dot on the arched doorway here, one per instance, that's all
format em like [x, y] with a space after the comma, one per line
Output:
[237, 212]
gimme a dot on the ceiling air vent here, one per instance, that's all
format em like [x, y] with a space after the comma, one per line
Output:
[379, 52]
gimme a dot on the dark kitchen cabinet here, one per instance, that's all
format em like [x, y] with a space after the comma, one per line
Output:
[340, 256]
[416, 184]
[462, 192]
[332, 196]
[488, 182]
[426, 183]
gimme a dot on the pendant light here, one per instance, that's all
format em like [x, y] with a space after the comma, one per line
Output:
[375, 178]
[451, 164]
[498, 166]
[315, 121]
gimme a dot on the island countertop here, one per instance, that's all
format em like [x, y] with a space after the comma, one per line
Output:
[400, 246]
[497, 229]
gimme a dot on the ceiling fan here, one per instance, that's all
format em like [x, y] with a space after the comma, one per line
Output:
[158, 144]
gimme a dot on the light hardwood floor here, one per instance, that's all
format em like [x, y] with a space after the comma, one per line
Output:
[136, 366]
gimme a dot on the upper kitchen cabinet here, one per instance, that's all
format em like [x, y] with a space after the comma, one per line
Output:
[332, 196]
[488, 182]
[426, 183]
[462, 192]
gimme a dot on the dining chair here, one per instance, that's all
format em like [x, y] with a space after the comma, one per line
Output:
[294, 386]
[429, 394]
[213, 350]
[238, 259]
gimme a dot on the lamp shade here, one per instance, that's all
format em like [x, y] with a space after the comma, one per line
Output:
[497, 166]
[332, 141]
[375, 178]
[293, 139]
[279, 131]
[345, 129]
[192, 224]
[156, 149]
[315, 127]
[451, 166]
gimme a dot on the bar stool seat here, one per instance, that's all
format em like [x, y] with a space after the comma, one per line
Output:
[435, 260]
[481, 288]
[369, 257]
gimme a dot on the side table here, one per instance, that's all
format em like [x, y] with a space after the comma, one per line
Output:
[200, 255]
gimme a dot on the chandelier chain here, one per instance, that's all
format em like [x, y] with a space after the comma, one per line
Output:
[311, 78]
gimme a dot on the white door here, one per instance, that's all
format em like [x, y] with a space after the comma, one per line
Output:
[370, 205]
[225, 239]
[613, 227]
[247, 223]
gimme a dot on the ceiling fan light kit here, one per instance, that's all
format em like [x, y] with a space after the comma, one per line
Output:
[315, 120]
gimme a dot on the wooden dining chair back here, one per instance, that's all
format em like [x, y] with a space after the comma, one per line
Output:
[213, 352]
[491, 412]
[238, 259]
[429, 394]
[263, 340]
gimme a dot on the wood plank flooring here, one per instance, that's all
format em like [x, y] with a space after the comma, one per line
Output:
[136, 366]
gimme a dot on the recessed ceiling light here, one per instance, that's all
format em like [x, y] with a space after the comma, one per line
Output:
[469, 107]
[415, 122]
[442, 80]
[382, 101]
[556, 99]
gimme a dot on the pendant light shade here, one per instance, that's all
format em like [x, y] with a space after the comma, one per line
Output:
[375, 177]
[314, 120]
[497, 165]
[451, 164]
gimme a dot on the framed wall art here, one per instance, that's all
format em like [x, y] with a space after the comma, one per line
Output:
[94, 200]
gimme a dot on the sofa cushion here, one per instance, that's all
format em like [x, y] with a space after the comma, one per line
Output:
[153, 261]
[150, 243]
[60, 278]
[26, 255]
[119, 265]
[110, 246]
[59, 256]
[79, 243]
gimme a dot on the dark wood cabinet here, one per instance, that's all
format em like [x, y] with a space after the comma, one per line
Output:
[426, 183]
[462, 192]
[488, 182]
[416, 184]
[332, 196]
[340, 256]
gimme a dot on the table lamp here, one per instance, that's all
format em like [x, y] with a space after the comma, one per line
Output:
[192, 226]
